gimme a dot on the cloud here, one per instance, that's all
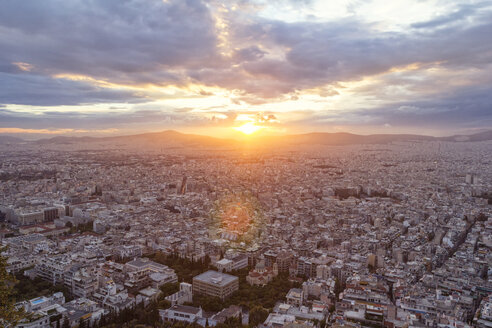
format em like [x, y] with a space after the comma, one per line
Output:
[464, 11]
[23, 66]
[206, 93]
[123, 41]
[177, 43]
[296, 56]
[265, 118]
[118, 48]
[251, 53]
[183, 110]
[52, 131]
[224, 119]
[40, 90]
[325, 53]
[467, 108]
[78, 121]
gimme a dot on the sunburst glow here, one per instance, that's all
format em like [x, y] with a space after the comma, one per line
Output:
[248, 128]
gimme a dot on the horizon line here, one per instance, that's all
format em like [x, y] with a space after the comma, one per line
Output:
[48, 136]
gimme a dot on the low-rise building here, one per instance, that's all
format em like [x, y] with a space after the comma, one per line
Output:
[261, 275]
[184, 295]
[215, 284]
[142, 272]
[181, 313]
[295, 296]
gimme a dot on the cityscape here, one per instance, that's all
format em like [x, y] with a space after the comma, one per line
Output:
[395, 234]
[245, 163]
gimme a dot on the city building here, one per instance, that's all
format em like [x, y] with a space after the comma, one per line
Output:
[215, 284]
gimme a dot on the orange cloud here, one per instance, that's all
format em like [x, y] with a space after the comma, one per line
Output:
[23, 66]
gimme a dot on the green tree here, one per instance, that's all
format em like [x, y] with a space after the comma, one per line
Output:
[257, 315]
[169, 288]
[164, 304]
[66, 324]
[338, 287]
[9, 314]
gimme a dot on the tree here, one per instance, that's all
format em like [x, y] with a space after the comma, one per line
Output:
[482, 217]
[102, 321]
[338, 287]
[164, 304]
[66, 324]
[206, 260]
[9, 314]
[169, 288]
[257, 315]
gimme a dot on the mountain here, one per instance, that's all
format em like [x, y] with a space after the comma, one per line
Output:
[481, 136]
[10, 140]
[65, 140]
[344, 138]
[164, 139]
[173, 139]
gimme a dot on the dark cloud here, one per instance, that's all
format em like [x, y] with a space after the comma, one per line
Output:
[39, 90]
[249, 54]
[469, 107]
[123, 41]
[97, 120]
[175, 42]
[326, 53]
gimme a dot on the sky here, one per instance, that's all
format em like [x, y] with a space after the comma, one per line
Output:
[222, 68]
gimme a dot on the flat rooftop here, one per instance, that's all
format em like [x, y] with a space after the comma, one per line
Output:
[144, 262]
[185, 309]
[216, 278]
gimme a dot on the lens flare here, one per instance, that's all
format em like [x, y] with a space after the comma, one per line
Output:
[238, 219]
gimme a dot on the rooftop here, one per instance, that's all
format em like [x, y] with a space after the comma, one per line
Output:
[185, 309]
[217, 278]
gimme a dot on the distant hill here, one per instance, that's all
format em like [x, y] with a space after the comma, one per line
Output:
[174, 139]
[65, 140]
[481, 136]
[343, 138]
[164, 139]
[10, 140]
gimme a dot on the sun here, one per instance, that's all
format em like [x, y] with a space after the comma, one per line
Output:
[248, 128]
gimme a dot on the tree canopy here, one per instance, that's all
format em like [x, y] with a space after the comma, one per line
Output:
[9, 314]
